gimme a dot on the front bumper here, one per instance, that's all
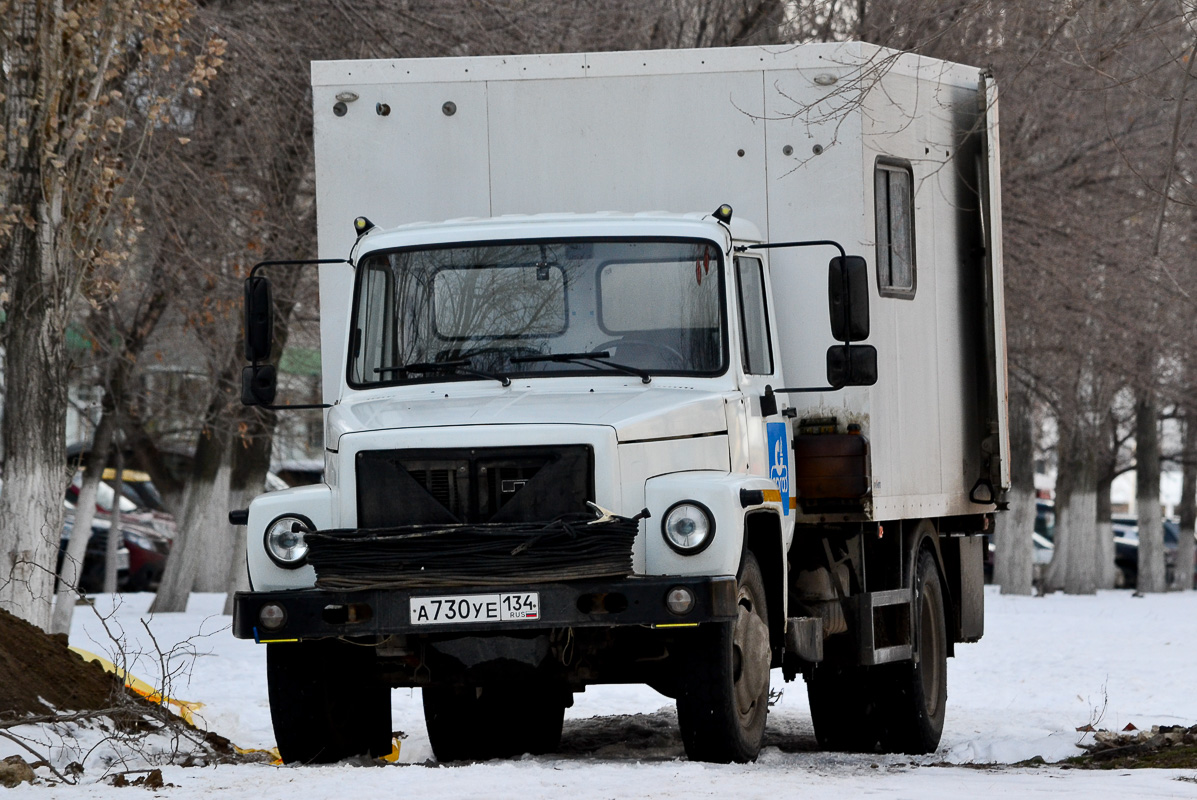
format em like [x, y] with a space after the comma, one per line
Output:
[319, 613]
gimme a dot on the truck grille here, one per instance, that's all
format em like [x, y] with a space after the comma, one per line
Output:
[440, 483]
[571, 547]
[472, 485]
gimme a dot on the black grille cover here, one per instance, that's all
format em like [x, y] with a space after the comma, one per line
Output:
[472, 485]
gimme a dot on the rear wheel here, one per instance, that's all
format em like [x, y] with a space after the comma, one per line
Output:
[478, 723]
[916, 696]
[897, 706]
[724, 698]
[326, 703]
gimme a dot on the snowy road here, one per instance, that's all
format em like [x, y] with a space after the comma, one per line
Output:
[1045, 667]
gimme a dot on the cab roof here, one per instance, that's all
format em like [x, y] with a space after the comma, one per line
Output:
[555, 226]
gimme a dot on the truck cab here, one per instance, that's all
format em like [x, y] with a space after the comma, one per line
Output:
[505, 374]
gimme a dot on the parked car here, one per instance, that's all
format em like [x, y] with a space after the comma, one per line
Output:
[91, 577]
[140, 558]
[147, 533]
[1045, 525]
[138, 487]
[148, 550]
[300, 471]
[140, 501]
[1126, 549]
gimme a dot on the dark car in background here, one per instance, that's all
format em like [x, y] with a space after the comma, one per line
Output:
[91, 576]
[1126, 549]
[148, 550]
[1041, 538]
[147, 531]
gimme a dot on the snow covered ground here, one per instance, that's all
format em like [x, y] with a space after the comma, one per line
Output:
[1045, 667]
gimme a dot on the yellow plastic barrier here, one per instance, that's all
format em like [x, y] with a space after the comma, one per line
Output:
[185, 708]
[278, 761]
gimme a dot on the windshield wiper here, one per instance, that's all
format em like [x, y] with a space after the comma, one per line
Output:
[462, 365]
[599, 356]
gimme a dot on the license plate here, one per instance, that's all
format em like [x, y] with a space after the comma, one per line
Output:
[456, 609]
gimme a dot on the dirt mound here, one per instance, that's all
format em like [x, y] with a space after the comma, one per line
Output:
[39, 675]
[1163, 747]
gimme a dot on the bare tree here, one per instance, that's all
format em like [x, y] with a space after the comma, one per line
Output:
[1147, 496]
[1183, 578]
[1013, 567]
[71, 74]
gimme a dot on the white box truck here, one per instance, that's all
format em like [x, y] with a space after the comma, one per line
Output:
[573, 440]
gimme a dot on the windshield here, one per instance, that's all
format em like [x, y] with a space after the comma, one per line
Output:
[539, 308]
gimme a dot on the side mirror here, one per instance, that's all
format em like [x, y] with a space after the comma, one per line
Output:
[258, 385]
[851, 365]
[259, 319]
[848, 298]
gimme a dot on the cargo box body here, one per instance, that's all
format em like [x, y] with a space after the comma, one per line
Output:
[799, 141]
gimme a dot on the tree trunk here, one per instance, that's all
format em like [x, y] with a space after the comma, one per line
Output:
[34, 334]
[251, 461]
[1013, 567]
[210, 529]
[208, 486]
[116, 536]
[1080, 569]
[1053, 577]
[1152, 576]
[1074, 562]
[1183, 578]
[85, 514]
[1106, 568]
[35, 472]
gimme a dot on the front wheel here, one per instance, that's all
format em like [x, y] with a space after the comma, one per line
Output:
[724, 697]
[326, 702]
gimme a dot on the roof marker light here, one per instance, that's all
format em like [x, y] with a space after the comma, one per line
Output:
[362, 225]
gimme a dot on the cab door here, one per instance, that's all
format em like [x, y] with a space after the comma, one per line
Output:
[768, 437]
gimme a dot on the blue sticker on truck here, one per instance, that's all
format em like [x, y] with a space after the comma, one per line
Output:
[779, 462]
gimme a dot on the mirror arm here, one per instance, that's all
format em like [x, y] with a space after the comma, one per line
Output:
[811, 243]
[806, 388]
[310, 262]
[297, 407]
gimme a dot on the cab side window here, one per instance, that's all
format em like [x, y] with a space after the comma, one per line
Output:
[755, 345]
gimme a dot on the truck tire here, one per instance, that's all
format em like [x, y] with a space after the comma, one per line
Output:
[723, 701]
[479, 723]
[843, 708]
[916, 696]
[326, 703]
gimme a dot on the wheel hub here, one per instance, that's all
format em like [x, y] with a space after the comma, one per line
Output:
[750, 642]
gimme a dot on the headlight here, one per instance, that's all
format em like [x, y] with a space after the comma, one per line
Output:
[688, 527]
[285, 543]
